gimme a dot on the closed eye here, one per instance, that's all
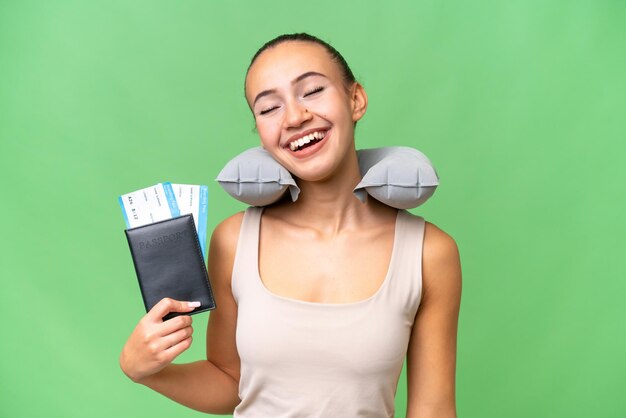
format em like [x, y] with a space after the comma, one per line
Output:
[313, 91]
[267, 110]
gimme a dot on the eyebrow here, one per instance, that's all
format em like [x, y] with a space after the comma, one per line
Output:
[294, 81]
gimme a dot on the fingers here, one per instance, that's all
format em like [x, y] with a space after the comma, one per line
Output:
[174, 351]
[174, 338]
[167, 305]
[162, 335]
[172, 325]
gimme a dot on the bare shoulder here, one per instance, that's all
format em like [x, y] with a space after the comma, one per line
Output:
[226, 233]
[438, 244]
[441, 266]
[224, 246]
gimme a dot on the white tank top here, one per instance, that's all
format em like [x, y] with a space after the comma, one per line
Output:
[306, 359]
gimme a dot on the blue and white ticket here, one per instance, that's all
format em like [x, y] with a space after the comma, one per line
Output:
[149, 205]
[194, 199]
[166, 201]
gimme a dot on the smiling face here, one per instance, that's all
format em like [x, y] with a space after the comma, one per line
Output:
[303, 110]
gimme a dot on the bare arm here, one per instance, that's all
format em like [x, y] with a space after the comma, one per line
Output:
[209, 385]
[431, 357]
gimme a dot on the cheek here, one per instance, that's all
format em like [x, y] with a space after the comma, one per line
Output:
[335, 108]
[323, 108]
[268, 133]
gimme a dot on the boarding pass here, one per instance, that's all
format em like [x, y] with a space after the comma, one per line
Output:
[166, 201]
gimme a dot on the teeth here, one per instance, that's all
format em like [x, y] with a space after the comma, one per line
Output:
[294, 145]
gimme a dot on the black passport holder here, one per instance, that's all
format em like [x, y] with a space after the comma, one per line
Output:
[168, 262]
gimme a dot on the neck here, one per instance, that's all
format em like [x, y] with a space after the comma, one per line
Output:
[329, 206]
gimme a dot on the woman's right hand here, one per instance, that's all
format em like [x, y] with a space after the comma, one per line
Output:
[155, 343]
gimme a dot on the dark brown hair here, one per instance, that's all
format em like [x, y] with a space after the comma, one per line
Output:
[348, 77]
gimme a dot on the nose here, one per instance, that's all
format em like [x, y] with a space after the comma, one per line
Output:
[296, 114]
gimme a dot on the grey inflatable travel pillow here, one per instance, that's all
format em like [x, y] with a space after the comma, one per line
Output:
[400, 177]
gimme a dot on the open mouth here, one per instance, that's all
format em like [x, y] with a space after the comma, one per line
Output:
[307, 141]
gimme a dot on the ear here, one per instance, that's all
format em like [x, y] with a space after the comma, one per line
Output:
[359, 102]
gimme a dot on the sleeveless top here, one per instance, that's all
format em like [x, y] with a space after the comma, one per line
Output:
[309, 359]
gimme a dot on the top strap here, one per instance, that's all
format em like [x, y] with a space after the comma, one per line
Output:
[405, 288]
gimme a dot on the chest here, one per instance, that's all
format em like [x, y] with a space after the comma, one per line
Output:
[305, 266]
[308, 340]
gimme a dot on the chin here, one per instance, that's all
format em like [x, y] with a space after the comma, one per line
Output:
[321, 172]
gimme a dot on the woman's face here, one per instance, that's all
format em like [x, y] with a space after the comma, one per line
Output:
[303, 111]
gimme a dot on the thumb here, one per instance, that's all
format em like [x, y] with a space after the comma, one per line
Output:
[167, 305]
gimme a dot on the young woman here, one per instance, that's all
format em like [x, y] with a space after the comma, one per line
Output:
[319, 300]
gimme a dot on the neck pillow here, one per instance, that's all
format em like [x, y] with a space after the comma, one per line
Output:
[400, 177]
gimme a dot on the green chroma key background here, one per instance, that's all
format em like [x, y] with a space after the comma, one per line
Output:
[519, 104]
